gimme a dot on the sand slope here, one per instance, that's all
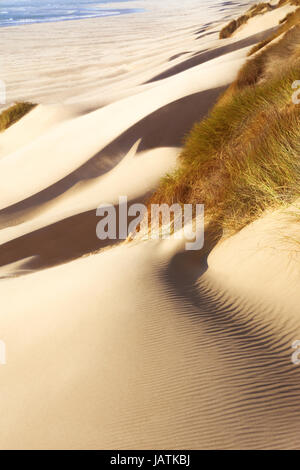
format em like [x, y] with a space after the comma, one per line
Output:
[169, 365]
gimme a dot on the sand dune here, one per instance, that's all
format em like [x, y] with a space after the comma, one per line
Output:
[66, 160]
[140, 344]
[207, 55]
[156, 362]
[34, 124]
[47, 232]
[261, 22]
[63, 152]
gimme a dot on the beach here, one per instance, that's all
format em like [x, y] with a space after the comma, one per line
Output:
[137, 344]
[99, 60]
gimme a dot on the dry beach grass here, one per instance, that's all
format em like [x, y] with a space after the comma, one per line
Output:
[244, 157]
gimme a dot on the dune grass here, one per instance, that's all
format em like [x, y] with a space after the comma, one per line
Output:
[287, 23]
[11, 115]
[259, 9]
[255, 10]
[265, 63]
[244, 158]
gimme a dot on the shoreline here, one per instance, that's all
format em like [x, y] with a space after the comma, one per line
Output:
[29, 22]
[82, 11]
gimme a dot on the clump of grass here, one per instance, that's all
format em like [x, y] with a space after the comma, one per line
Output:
[287, 23]
[244, 157]
[228, 30]
[11, 115]
[276, 55]
[255, 10]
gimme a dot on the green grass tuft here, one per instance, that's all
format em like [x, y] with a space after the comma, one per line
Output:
[244, 158]
[11, 115]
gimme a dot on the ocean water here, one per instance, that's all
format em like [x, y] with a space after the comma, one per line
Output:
[17, 12]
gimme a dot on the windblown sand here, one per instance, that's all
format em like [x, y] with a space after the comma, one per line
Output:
[140, 345]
